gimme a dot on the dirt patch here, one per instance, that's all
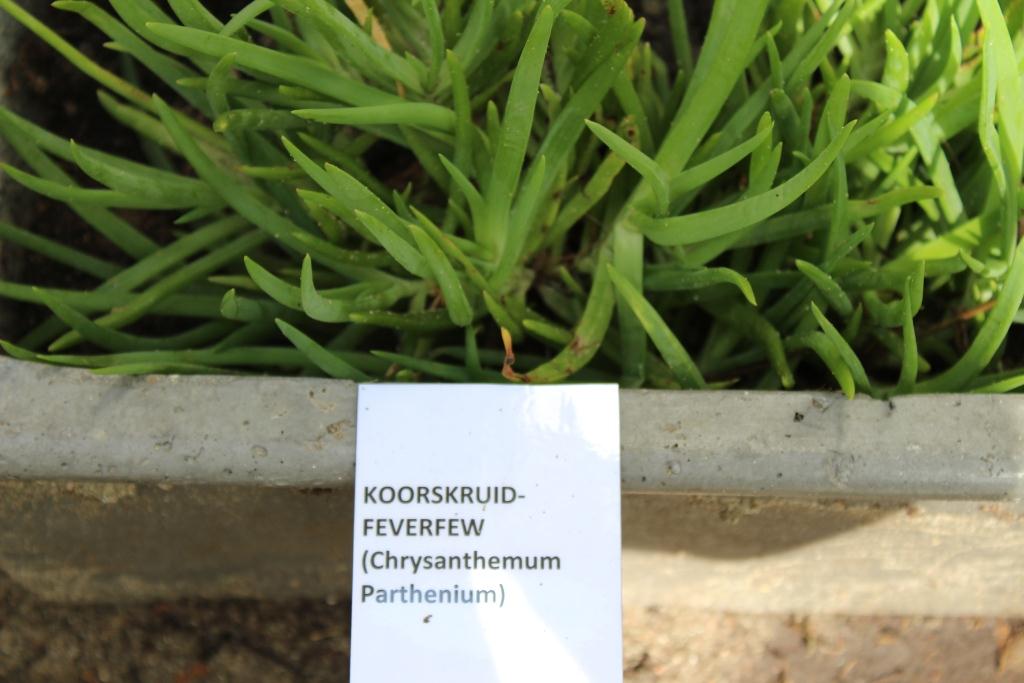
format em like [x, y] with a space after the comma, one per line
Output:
[45, 88]
[179, 642]
[196, 641]
[677, 645]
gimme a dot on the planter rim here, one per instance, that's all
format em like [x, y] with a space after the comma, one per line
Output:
[68, 424]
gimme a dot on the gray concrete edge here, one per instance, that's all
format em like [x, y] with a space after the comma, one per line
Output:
[69, 424]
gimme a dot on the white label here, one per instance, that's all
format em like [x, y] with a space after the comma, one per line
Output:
[487, 535]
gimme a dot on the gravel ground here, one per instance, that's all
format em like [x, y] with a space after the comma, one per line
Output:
[698, 646]
[265, 642]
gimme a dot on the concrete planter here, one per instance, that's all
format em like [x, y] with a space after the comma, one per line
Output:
[126, 489]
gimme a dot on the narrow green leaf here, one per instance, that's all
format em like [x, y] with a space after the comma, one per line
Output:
[894, 130]
[242, 17]
[987, 133]
[909, 364]
[548, 331]
[1000, 384]
[897, 63]
[55, 251]
[694, 178]
[273, 286]
[416, 114]
[193, 13]
[414, 323]
[680, 278]
[589, 333]
[247, 310]
[1009, 91]
[144, 301]
[143, 181]
[259, 118]
[114, 340]
[72, 194]
[680, 32]
[458, 305]
[515, 129]
[352, 196]
[299, 71]
[435, 32]
[829, 288]
[138, 369]
[332, 364]
[750, 323]
[586, 198]
[664, 340]
[403, 252]
[843, 348]
[116, 229]
[314, 304]
[826, 350]
[720, 221]
[468, 190]
[640, 162]
[989, 338]
[734, 23]
[451, 373]
[357, 44]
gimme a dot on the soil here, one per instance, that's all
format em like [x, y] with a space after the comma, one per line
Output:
[48, 90]
[308, 641]
[44, 87]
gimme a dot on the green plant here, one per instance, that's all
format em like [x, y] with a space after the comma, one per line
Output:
[829, 184]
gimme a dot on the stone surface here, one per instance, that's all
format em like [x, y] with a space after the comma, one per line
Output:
[72, 425]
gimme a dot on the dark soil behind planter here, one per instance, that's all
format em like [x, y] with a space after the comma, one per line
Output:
[44, 87]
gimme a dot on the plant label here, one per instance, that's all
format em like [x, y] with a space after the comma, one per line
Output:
[487, 535]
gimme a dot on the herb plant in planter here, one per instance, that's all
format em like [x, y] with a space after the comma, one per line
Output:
[819, 192]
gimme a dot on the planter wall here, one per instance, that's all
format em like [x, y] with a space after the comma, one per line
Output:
[128, 489]
[168, 486]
